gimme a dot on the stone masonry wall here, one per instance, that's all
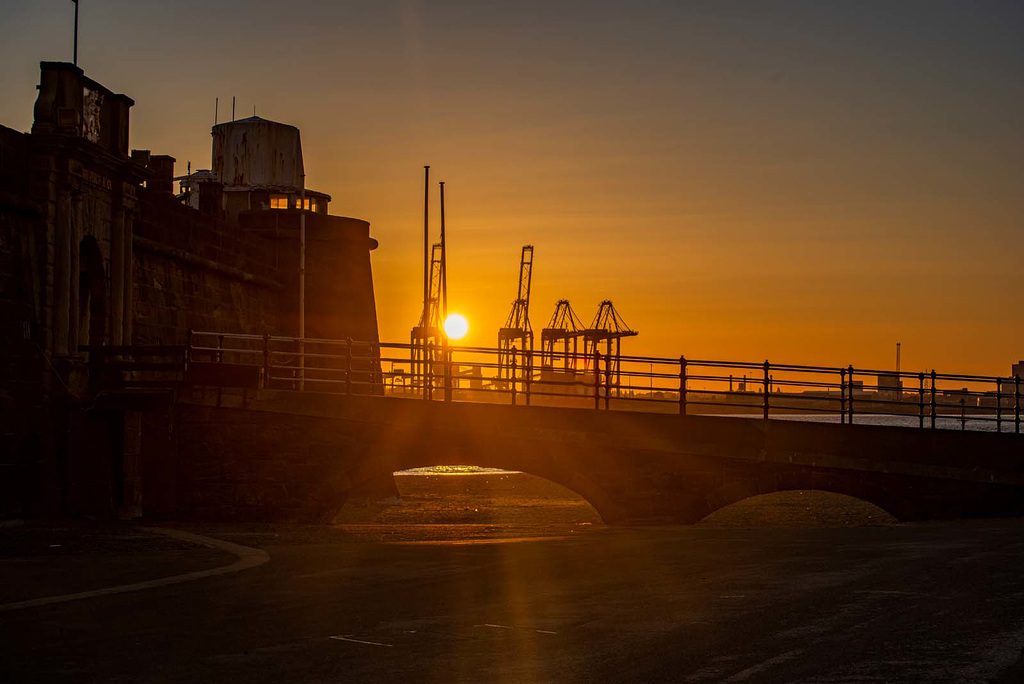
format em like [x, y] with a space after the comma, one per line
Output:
[194, 271]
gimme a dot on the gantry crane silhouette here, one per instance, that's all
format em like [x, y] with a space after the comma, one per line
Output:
[606, 327]
[563, 328]
[517, 328]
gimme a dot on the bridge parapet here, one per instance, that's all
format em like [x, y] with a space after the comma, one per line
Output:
[293, 455]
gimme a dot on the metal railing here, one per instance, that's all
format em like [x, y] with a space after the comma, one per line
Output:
[665, 385]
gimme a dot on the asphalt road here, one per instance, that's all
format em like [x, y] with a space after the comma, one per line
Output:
[906, 603]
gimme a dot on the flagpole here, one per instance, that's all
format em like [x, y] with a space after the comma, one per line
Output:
[76, 31]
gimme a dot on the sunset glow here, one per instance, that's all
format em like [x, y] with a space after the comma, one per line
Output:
[456, 326]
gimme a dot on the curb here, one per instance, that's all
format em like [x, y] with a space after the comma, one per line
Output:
[248, 557]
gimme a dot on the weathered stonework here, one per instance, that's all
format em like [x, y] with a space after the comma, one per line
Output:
[96, 251]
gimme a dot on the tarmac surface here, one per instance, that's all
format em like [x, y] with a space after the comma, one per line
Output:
[936, 602]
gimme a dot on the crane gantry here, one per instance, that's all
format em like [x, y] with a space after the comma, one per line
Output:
[517, 328]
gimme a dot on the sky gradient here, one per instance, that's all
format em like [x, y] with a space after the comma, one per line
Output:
[808, 182]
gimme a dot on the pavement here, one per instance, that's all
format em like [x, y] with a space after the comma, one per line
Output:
[937, 602]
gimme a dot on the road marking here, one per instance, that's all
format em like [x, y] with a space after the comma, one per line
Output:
[247, 558]
[743, 675]
[538, 631]
[358, 641]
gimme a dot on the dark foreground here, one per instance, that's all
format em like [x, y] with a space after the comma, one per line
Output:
[912, 603]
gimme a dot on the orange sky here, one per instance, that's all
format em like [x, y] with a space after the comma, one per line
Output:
[761, 180]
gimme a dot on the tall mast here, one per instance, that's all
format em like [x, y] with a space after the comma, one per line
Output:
[444, 263]
[426, 245]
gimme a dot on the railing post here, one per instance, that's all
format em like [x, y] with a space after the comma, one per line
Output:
[428, 373]
[933, 399]
[1016, 404]
[607, 381]
[512, 378]
[849, 380]
[266, 360]
[842, 396]
[999, 404]
[682, 385]
[220, 349]
[963, 414]
[188, 348]
[597, 379]
[920, 400]
[528, 373]
[348, 366]
[447, 371]
[767, 388]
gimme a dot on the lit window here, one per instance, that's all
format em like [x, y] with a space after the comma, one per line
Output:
[278, 201]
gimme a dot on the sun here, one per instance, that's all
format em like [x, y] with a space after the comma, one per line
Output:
[456, 326]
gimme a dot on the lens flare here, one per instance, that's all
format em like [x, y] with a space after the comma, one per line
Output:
[456, 326]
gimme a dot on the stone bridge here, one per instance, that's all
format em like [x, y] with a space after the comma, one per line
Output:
[279, 455]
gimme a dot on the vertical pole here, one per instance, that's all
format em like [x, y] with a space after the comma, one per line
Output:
[607, 378]
[444, 263]
[512, 378]
[266, 360]
[76, 33]
[999, 404]
[428, 379]
[849, 381]
[448, 388]
[597, 378]
[426, 246]
[682, 385]
[302, 284]
[933, 399]
[528, 373]
[963, 415]
[767, 388]
[220, 349]
[1016, 404]
[842, 396]
[920, 400]
[348, 366]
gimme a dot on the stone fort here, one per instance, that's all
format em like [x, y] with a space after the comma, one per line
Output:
[98, 250]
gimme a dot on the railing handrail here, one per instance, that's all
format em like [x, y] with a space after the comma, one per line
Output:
[428, 370]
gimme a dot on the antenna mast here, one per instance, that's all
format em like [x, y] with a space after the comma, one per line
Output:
[76, 31]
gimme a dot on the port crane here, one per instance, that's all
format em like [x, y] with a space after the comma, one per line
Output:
[563, 328]
[607, 327]
[517, 328]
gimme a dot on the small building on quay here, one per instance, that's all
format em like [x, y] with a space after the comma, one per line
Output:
[98, 250]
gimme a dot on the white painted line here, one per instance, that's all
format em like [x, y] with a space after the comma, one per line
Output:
[247, 558]
[358, 641]
[539, 631]
[743, 675]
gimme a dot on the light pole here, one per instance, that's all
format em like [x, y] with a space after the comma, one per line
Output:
[302, 284]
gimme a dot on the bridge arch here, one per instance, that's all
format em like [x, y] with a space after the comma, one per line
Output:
[558, 471]
[857, 487]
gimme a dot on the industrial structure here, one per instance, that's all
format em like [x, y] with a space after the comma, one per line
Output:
[428, 338]
[608, 328]
[517, 329]
[563, 329]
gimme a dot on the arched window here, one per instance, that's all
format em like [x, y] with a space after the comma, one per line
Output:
[92, 294]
